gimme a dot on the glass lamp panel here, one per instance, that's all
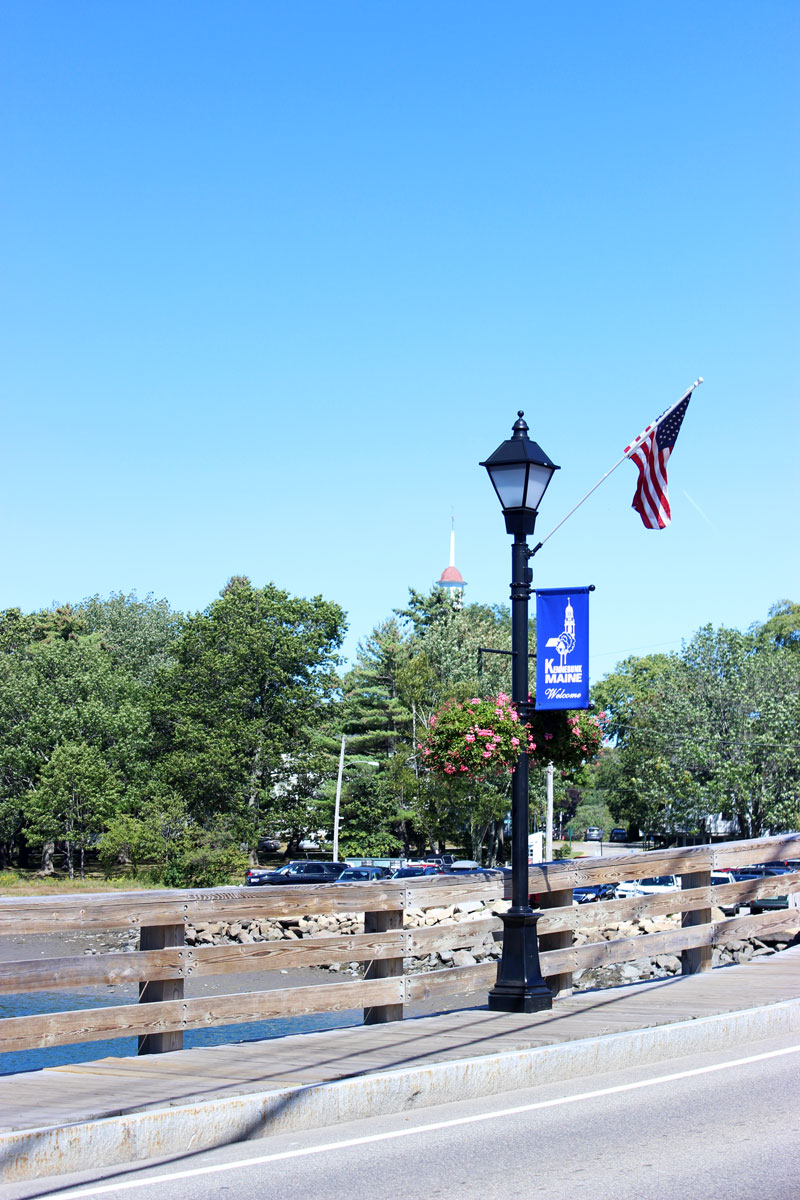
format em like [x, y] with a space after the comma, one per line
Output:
[509, 482]
[538, 480]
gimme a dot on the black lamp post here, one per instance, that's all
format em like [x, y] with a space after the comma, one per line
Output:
[520, 472]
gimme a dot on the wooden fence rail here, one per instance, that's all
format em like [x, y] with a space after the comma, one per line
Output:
[164, 961]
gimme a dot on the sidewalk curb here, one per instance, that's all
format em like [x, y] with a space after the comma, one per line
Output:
[190, 1128]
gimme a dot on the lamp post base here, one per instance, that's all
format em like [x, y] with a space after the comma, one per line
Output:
[520, 986]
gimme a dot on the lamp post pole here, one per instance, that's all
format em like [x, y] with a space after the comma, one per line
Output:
[520, 986]
[520, 472]
[520, 817]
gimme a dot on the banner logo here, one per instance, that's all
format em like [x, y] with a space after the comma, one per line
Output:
[562, 648]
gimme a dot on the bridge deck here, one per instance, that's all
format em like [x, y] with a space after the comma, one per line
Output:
[82, 1092]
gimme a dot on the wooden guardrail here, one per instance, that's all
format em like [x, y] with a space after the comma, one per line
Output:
[164, 960]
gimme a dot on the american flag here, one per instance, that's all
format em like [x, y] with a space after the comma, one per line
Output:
[651, 451]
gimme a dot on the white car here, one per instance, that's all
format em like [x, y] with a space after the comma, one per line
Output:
[652, 886]
[719, 878]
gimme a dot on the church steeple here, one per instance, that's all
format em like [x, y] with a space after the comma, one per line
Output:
[451, 577]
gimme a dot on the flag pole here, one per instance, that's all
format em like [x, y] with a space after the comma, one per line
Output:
[636, 441]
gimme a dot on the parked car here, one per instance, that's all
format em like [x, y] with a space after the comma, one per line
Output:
[305, 871]
[618, 834]
[759, 871]
[774, 903]
[719, 879]
[256, 876]
[467, 866]
[653, 885]
[478, 872]
[763, 904]
[268, 845]
[594, 893]
[415, 872]
[593, 834]
[435, 861]
[360, 875]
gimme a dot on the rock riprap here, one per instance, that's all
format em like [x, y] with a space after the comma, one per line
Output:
[217, 933]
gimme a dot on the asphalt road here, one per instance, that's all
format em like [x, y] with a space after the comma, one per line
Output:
[716, 1127]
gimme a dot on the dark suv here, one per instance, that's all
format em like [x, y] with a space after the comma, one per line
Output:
[297, 872]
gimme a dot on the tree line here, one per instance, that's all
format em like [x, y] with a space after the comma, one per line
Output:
[173, 742]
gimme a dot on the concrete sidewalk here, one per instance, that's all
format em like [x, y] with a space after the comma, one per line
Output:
[118, 1110]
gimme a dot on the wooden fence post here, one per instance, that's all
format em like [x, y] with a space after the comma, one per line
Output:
[161, 937]
[383, 968]
[560, 985]
[698, 958]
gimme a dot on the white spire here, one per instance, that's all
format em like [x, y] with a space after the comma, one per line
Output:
[451, 576]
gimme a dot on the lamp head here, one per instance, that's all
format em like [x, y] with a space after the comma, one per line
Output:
[520, 472]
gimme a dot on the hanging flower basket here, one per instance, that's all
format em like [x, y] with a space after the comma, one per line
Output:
[565, 738]
[483, 737]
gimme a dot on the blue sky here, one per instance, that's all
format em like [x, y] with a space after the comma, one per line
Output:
[277, 276]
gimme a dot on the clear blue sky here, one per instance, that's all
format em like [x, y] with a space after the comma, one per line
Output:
[277, 276]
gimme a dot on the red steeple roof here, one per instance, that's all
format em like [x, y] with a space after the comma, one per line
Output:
[451, 577]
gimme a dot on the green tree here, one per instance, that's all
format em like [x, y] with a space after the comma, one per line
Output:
[738, 728]
[137, 633]
[59, 687]
[154, 836]
[405, 671]
[249, 679]
[75, 796]
[378, 720]
[368, 818]
[713, 730]
[374, 713]
[782, 628]
[450, 638]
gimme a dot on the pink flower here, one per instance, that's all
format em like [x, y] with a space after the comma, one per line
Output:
[470, 737]
[487, 754]
[515, 741]
[548, 737]
[475, 700]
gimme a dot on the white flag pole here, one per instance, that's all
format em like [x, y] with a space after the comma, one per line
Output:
[636, 442]
[548, 826]
[336, 809]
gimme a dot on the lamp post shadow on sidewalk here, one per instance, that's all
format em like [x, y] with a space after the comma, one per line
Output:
[520, 472]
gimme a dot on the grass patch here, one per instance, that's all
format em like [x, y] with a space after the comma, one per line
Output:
[29, 883]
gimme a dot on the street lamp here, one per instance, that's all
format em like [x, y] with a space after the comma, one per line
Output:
[520, 472]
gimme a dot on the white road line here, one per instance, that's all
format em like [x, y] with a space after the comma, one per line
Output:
[327, 1147]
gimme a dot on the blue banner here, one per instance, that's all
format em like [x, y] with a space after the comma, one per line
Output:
[562, 648]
